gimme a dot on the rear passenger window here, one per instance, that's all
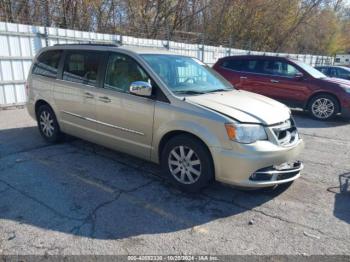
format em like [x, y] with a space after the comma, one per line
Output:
[250, 65]
[81, 67]
[237, 65]
[47, 63]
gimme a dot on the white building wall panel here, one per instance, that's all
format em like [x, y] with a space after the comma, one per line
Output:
[4, 48]
[17, 68]
[2, 95]
[25, 46]
[10, 94]
[14, 46]
[6, 70]
[20, 93]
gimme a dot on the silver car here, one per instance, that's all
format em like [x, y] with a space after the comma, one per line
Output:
[166, 108]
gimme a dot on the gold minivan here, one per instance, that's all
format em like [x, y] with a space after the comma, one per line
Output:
[166, 108]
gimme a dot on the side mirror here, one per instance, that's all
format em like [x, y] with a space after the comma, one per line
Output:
[140, 88]
[299, 76]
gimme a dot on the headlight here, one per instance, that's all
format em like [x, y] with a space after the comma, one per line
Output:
[346, 88]
[245, 133]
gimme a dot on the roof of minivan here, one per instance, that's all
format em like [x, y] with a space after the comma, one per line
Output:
[147, 50]
[134, 49]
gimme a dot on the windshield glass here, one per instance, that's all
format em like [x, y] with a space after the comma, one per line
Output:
[312, 71]
[186, 75]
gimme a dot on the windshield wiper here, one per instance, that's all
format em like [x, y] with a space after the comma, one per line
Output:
[218, 90]
[189, 92]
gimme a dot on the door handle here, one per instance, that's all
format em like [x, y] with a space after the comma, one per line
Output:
[88, 95]
[105, 99]
[274, 81]
[243, 77]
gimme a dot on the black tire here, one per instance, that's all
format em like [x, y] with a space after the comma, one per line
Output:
[188, 164]
[46, 116]
[332, 104]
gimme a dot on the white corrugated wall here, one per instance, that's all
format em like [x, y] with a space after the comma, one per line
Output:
[19, 44]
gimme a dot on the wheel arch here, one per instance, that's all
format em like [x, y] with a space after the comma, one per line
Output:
[39, 103]
[166, 137]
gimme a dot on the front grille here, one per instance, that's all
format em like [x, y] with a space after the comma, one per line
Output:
[286, 133]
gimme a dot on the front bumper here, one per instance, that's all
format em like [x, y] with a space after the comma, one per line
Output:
[31, 109]
[237, 167]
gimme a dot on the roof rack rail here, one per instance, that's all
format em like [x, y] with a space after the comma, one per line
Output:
[93, 43]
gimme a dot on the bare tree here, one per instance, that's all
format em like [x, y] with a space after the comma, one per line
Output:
[270, 25]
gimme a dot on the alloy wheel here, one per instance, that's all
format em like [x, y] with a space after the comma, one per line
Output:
[323, 108]
[184, 164]
[46, 123]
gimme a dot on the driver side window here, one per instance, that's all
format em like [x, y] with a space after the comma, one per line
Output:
[122, 71]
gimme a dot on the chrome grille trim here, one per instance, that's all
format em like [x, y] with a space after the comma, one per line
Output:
[285, 133]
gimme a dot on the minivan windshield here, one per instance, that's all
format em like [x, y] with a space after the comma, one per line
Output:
[186, 75]
[312, 71]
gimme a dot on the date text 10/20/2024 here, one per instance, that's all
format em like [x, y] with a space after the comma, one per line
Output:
[173, 258]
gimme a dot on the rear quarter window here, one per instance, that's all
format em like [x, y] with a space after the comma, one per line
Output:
[47, 63]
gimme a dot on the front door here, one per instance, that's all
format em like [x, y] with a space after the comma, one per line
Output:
[124, 120]
[277, 79]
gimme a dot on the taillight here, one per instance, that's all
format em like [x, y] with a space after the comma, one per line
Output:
[27, 89]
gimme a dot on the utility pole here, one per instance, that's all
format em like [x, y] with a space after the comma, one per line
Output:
[203, 45]
[45, 12]
[167, 35]
[249, 46]
[231, 41]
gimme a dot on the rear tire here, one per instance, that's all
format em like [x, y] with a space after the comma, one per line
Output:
[187, 162]
[48, 125]
[323, 107]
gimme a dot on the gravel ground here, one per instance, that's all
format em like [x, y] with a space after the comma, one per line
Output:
[79, 198]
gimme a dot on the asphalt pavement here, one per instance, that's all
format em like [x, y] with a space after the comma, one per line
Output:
[79, 198]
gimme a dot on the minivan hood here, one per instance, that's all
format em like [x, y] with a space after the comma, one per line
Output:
[244, 106]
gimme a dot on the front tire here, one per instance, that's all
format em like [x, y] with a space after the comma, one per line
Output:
[48, 125]
[323, 107]
[187, 163]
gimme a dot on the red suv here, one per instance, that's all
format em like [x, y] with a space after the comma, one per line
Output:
[290, 81]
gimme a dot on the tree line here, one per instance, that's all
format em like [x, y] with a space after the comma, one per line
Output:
[294, 26]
